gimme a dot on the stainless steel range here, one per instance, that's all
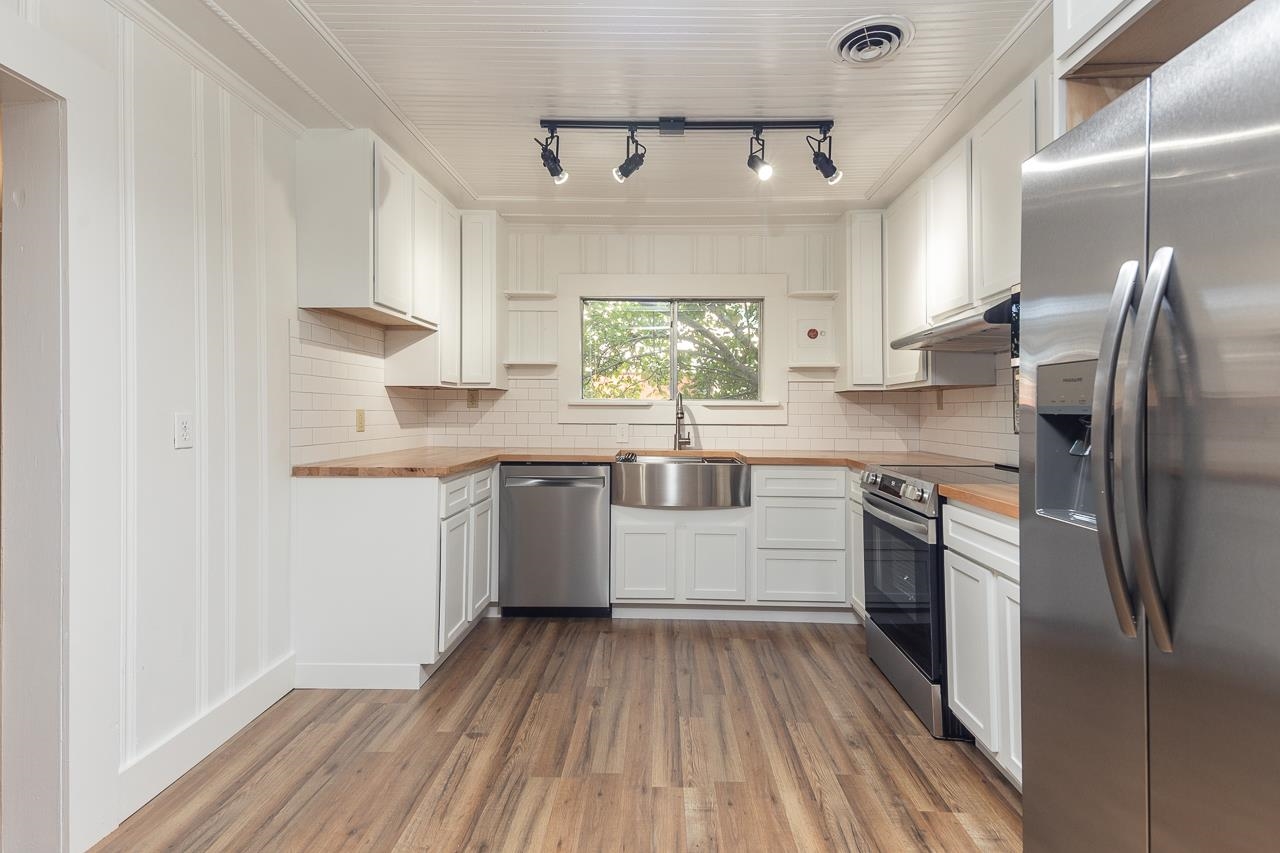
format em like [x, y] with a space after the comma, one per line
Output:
[902, 542]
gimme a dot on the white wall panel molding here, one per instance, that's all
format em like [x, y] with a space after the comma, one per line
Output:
[189, 49]
[263, 406]
[201, 432]
[229, 406]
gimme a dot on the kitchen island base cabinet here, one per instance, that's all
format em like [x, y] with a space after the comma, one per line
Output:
[984, 662]
[386, 577]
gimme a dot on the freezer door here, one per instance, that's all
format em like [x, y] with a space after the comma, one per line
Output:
[1083, 691]
[1213, 440]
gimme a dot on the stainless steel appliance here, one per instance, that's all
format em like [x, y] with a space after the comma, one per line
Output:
[681, 482]
[902, 550]
[553, 539]
[1150, 456]
[985, 329]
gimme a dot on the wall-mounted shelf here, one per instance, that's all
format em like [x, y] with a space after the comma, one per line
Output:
[530, 294]
[812, 294]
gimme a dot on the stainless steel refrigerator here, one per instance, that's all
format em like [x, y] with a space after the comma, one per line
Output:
[1150, 450]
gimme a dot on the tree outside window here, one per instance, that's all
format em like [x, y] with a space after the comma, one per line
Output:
[707, 349]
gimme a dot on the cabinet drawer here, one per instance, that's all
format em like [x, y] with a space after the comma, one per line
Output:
[817, 576]
[787, 481]
[455, 495]
[814, 523]
[987, 539]
[481, 485]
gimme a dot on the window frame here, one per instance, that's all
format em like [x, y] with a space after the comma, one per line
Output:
[673, 343]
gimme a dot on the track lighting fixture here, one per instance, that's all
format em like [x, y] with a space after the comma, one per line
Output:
[822, 159]
[634, 159]
[755, 160]
[551, 156]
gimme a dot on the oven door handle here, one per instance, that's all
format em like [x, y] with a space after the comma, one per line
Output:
[882, 509]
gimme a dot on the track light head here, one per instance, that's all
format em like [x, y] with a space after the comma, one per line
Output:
[756, 161]
[551, 157]
[822, 158]
[634, 159]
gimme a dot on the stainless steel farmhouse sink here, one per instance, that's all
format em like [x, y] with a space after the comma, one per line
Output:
[680, 482]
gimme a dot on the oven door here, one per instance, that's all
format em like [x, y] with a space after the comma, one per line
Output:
[904, 577]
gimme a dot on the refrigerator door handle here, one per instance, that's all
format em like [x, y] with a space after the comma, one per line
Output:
[1135, 410]
[1102, 461]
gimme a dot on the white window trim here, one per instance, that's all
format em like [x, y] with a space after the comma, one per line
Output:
[770, 289]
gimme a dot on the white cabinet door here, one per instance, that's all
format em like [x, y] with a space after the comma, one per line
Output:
[857, 571]
[449, 335]
[800, 523]
[1009, 643]
[1076, 20]
[644, 560]
[1001, 142]
[455, 546]
[797, 575]
[713, 562]
[793, 481]
[947, 234]
[478, 297]
[865, 300]
[478, 592]
[392, 230]
[426, 254]
[971, 643]
[904, 287]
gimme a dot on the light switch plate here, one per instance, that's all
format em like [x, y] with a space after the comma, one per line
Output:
[359, 420]
[183, 431]
[622, 433]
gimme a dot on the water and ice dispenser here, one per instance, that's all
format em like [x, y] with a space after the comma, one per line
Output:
[1064, 442]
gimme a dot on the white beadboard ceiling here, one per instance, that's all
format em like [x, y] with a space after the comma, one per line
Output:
[475, 76]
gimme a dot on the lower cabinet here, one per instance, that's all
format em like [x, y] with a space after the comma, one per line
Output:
[455, 611]
[481, 558]
[856, 558]
[644, 558]
[711, 558]
[800, 575]
[984, 664]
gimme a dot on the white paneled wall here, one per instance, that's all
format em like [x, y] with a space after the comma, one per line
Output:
[973, 422]
[209, 279]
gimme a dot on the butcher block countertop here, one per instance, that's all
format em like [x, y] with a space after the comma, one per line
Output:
[996, 497]
[448, 461]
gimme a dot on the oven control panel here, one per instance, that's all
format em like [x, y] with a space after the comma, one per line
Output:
[876, 481]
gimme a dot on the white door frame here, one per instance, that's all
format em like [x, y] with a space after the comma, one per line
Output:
[65, 361]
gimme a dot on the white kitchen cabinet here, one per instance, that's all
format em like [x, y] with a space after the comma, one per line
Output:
[426, 253]
[971, 648]
[1009, 644]
[418, 358]
[864, 302]
[800, 575]
[856, 555]
[483, 308]
[712, 561]
[947, 236]
[1075, 20]
[1002, 141]
[455, 547]
[480, 560]
[355, 199]
[449, 337]
[904, 288]
[795, 481]
[984, 640]
[800, 523]
[644, 559]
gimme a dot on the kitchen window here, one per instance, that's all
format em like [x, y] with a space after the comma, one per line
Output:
[652, 349]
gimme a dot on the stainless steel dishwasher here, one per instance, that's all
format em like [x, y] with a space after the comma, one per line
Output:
[553, 542]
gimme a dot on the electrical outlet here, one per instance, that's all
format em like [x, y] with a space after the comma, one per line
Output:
[622, 433]
[183, 431]
[359, 420]
[473, 398]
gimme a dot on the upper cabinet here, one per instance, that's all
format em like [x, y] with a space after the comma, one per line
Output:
[1074, 21]
[1002, 142]
[484, 243]
[904, 282]
[864, 356]
[361, 247]
[947, 234]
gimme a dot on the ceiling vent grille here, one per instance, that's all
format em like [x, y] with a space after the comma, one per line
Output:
[869, 40]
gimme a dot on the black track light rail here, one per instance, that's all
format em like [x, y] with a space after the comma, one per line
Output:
[678, 125]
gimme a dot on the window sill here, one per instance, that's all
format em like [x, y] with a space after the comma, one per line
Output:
[737, 404]
[612, 404]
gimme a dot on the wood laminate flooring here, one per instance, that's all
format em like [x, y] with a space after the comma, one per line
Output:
[591, 734]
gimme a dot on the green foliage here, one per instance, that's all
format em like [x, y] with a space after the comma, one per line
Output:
[627, 345]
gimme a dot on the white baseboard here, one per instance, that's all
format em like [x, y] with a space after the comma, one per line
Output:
[736, 614]
[361, 676]
[157, 769]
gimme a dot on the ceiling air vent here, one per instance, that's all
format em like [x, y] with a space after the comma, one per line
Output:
[873, 39]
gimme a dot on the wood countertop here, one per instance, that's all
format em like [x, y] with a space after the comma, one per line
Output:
[448, 461]
[1001, 498]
